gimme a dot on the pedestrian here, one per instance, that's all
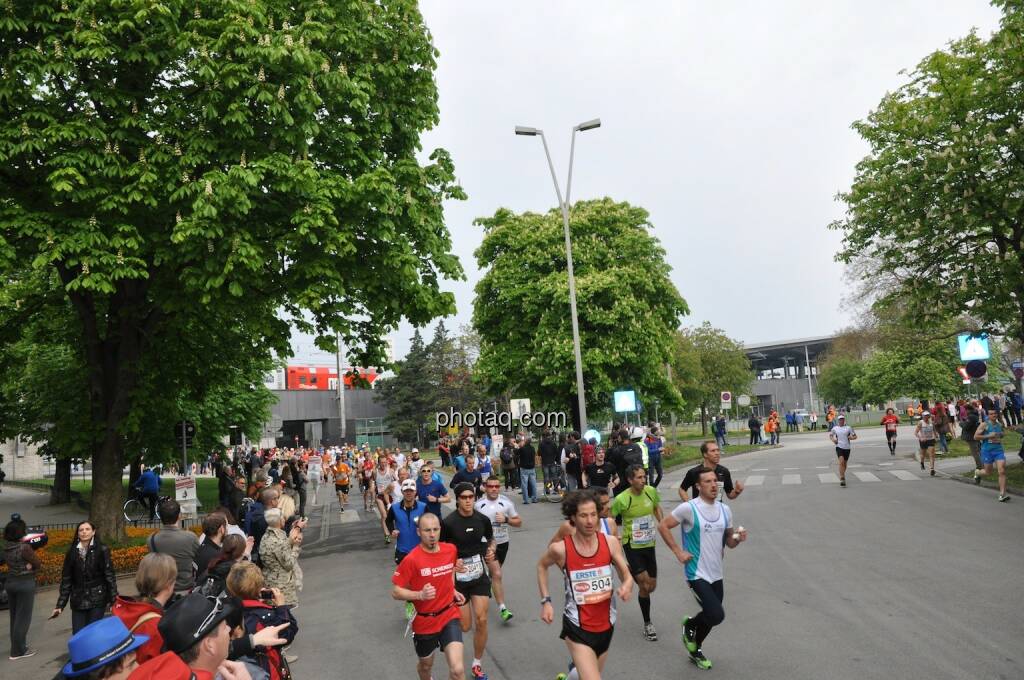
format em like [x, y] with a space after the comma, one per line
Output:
[655, 445]
[104, 650]
[22, 566]
[509, 470]
[548, 450]
[154, 582]
[263, 608]
[720, 430]
[176, 542]
[940, 415]
[444, 450]
[754, 425]
[279, 556]
[526, 458]
[571, 462]
[814, 420]
[87, 580]
[215, 528]
[925, 434]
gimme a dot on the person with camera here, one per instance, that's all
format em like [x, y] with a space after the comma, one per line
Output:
[22, 566]
[87, 580]
[279, 555]
[264, 612]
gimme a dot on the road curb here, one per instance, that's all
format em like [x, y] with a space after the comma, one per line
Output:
[986, 484]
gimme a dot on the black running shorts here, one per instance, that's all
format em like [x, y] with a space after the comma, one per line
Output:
[599, 642]
[927, 444]
[641, 560]
[843, 453]
[501, 552]
[426, 644]
[481, 587]
[890, 434]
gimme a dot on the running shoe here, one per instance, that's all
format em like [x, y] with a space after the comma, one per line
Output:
[842, 481]
[387, 538]
[561, 676]
[650, 633]
[977, 477]
[28, 653]
[478, 672]
[689, 636]
[505, 614]
[932, 473]
[1003, 498]
[700, 661]
[922, 463]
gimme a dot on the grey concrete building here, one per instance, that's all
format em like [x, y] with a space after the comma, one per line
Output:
[786, 373]
[312, 417]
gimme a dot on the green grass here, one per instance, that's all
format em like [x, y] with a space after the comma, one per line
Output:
[206, 488]
[959, 448]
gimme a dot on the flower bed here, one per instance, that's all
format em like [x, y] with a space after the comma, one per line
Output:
[125, 556]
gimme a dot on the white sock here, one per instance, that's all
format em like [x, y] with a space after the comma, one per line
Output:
[573, 675]
[501, 605]
[476, 662]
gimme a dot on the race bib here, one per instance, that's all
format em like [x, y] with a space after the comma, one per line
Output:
[500, 533]
[590, 586]
[642, 532]
[474, 569]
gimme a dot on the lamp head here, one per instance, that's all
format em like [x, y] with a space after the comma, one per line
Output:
[527, 131]
[588, 125]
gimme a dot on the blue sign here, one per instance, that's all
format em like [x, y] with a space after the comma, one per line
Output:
[625, 401]
[973, 347]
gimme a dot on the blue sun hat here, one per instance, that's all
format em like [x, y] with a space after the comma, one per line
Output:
[98, 644]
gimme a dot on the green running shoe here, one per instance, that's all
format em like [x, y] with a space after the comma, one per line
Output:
[561, 676]
[689, 636]
[506, 614]
[700, 661]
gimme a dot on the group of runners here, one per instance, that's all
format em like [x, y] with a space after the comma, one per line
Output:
[448, 569]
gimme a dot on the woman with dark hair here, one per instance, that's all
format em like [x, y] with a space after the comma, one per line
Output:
[231, 551]
[22, 565]
[88, 580]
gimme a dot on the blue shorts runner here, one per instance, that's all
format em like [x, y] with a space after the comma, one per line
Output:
[991, 453]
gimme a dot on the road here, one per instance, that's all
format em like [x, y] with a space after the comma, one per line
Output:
[897, 575]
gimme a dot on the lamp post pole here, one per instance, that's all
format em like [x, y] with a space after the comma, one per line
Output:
[564, 206]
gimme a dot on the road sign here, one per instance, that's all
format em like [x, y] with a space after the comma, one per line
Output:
[185, 494]
[1018, 369]
[976, 368]
[726, 401]
[519, 408]
[973, 347]
[743, 400]
[624, 401]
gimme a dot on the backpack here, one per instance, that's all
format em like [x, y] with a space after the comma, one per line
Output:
[211, 587]
[588, 455]
[632, 455]
[270, 659]
[506, 455]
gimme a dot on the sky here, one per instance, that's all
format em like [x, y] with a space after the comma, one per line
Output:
[728, 122]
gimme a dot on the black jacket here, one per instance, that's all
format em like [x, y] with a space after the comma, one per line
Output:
[88, 582]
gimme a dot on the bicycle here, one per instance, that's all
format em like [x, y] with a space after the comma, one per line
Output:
[135, 510]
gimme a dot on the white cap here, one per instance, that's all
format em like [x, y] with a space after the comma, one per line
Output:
[926, 414]
[415, 450]
[408, 484]
[841, 415]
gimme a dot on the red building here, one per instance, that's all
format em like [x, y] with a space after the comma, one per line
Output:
[322, 377]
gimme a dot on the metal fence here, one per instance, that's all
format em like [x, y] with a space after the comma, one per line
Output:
[185, 523]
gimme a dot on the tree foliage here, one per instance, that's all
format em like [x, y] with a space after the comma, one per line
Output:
[628, 307]
[705, 363]
[836, 380]
[218, 170]
[936, 211]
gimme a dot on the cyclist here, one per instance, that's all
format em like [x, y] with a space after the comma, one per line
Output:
[148, 486]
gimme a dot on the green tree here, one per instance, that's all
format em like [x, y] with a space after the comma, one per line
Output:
[836, 380]
[219, 164]
[891, 374]
[628, 306]
[935, 211]
[705, 363]
[409, 394]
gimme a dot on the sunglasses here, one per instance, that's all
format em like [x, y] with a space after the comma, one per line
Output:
[494, 486]
[465, 496]
[218, 607]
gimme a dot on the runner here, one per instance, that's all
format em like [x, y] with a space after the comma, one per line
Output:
[925, 433]
[342, 474]
[366, 480]
[470, 532]
[470, 475]
[431, 491]
[707, 526]
[315, 472]
[586, 558]
[426, 578]
[712, 454]
[890, 421]
[386, 487]
[606, 523]
[637, 508]
[401, 522]
[503, 514]
[415, 463]
[990, 434]
[841, 435]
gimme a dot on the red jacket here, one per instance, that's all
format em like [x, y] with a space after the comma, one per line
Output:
[129, 610]
[168, 666]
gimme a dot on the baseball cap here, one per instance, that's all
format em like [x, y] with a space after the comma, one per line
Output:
[415, 450]
[841, 416]
[408, 484]
[193, 618]
[926, 414]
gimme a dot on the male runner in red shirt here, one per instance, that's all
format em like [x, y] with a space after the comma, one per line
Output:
[890, 421]
[426, 577]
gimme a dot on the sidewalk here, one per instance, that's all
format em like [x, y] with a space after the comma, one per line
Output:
[48, 638]
[34, 508]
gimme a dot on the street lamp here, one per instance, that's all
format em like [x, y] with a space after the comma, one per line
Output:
[564, 205]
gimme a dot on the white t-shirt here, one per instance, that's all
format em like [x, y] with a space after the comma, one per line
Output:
[414, 467]
[490, 509]
[703, 533]
[842, 434]
[400, 460]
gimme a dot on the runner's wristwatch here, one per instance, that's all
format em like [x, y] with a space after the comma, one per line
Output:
[545, 600]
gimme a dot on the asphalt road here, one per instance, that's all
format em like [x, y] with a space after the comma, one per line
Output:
[896, 576]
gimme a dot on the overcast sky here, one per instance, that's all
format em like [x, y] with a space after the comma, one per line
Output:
[728, 122]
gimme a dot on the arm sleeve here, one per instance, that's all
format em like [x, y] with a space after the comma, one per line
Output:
[487, 527]
[389, 521]
[446, 536]
[65, 579]
[240, 647]
[109, 576]
[727, 482]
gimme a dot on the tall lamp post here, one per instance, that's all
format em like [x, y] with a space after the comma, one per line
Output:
[564, 205]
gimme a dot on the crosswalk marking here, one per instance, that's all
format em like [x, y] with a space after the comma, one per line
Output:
[754, 480]
[905, 475]
[828, 477]
[791, 479]
[866, 476]
[348, 517]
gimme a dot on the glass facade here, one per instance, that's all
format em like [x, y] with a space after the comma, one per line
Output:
[370, 431]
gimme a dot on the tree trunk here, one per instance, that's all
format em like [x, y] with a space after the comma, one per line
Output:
[134, 470]
[60, 492]
[704, 420]
[108, 490]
